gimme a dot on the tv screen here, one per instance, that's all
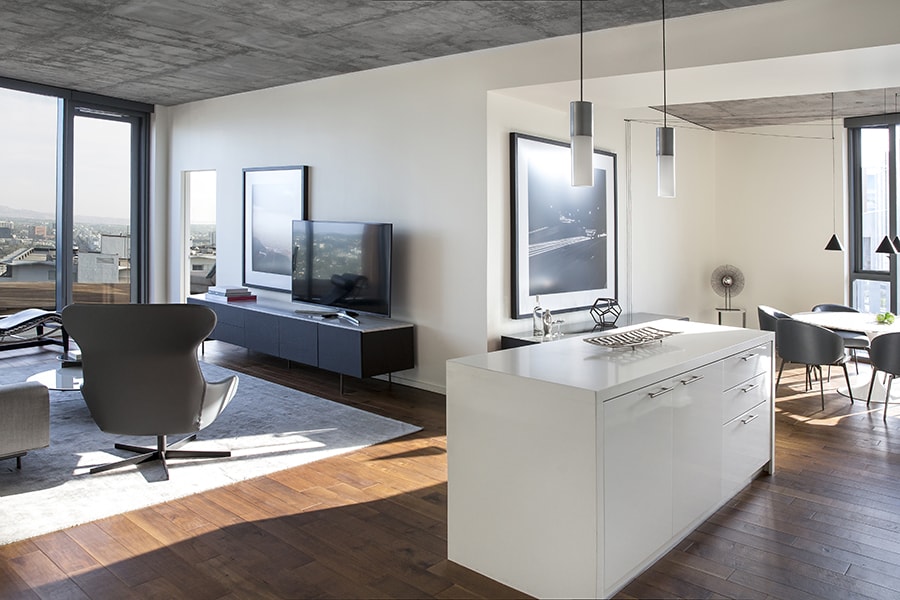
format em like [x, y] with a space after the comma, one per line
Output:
[342, 265]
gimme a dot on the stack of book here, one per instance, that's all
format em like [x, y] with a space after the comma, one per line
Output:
[230, 293]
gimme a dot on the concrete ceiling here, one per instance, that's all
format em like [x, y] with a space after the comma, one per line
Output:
[170, 52]
[785, 110]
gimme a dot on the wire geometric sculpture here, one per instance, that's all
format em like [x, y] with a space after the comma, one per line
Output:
[605, 312]
[727, 281]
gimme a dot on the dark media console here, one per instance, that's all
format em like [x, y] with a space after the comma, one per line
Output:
[376, 346]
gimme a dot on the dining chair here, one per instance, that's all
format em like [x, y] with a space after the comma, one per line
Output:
[853, 340]
[884, 354]
[813, 346]
[767, 317]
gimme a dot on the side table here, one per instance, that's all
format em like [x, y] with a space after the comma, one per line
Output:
[63, 378]
[729, 311]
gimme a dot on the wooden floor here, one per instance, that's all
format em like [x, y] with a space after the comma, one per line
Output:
[372, 524]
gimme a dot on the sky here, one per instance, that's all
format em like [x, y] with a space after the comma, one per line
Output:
[28, 124]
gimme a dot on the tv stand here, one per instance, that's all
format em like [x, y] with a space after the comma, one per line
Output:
[339, 341]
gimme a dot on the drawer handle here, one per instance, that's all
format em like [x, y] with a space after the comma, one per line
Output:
[749, 356]
[664, 390]
[750, 388]
[691, 379]
[749, 419]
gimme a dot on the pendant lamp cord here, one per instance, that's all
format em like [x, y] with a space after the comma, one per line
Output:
[581, 48]
[665, 99]
[833, 195]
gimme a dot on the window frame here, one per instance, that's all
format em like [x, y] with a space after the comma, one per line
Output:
[138, 114]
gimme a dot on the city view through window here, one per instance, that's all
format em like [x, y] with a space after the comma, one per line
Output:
[101, 205]
[200, 190]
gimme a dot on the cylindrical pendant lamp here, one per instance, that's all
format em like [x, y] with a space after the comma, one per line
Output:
[665, 162]
[581, 129]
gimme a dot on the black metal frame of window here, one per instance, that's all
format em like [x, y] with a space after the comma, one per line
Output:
[72, 103]
[889, 121]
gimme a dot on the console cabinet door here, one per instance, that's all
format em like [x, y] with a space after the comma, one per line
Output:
[637, 476]
[229, 323]
[340, 350]
[298, 340]
[261, 332]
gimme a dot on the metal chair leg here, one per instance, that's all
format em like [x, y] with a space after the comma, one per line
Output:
[871, 385]
[887, 396]
[780, 369]
[847, 377]
[821, 386]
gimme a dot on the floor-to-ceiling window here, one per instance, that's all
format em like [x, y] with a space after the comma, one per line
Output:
[28, 154]
[74, 198]
[873, 200]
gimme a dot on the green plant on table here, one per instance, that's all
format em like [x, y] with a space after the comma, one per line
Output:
[885, 318]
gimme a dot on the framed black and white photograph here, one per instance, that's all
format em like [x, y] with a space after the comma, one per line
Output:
[273, 197]
[563, 237]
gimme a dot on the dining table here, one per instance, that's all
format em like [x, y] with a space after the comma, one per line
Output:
[858, 322]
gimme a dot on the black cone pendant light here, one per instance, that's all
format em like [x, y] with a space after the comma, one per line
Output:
[834, 243]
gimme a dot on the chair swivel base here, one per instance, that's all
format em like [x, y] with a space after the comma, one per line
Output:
[162, 452]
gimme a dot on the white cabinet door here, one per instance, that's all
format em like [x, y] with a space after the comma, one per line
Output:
[637, 463]
[697, 444]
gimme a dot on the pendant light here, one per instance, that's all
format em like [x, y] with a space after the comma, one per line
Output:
[665, 135]
[886, 246]
[834, 243]
[581, 122]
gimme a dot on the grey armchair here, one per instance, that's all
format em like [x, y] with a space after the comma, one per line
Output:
[853, 340]
[142, 376]
[768, 316]
[24, 419]
[813, 346]
[884, 353]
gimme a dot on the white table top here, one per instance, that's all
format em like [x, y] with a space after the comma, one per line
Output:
[848, 321]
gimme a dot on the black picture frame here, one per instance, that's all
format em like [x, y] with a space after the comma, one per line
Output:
[273, 198]
[564, 238]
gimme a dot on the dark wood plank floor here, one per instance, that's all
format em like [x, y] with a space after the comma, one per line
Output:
[372, 524]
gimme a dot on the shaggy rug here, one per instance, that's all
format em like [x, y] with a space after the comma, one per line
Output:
[267, 428]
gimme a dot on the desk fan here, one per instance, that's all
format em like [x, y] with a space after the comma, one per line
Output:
[727, 281]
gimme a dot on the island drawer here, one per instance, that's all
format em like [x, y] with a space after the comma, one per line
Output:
[744, 396]
[742, 366]
[745, 447]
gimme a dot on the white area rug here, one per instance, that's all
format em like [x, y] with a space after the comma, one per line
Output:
[267, 427]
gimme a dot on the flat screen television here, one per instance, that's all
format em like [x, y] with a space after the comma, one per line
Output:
[343, 265]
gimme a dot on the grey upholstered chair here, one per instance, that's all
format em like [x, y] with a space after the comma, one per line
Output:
[813, 346]
[853, 340]
[768, 316]
[884, 354]
[24, 419]
[142, 376]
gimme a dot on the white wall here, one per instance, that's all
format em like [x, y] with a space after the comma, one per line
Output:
[402, 145]
[777, 212]
[424, 146]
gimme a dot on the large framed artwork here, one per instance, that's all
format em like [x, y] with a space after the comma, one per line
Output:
[273, 197]
[563, 237]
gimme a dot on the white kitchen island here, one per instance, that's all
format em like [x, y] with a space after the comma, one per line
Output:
[573, 467]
